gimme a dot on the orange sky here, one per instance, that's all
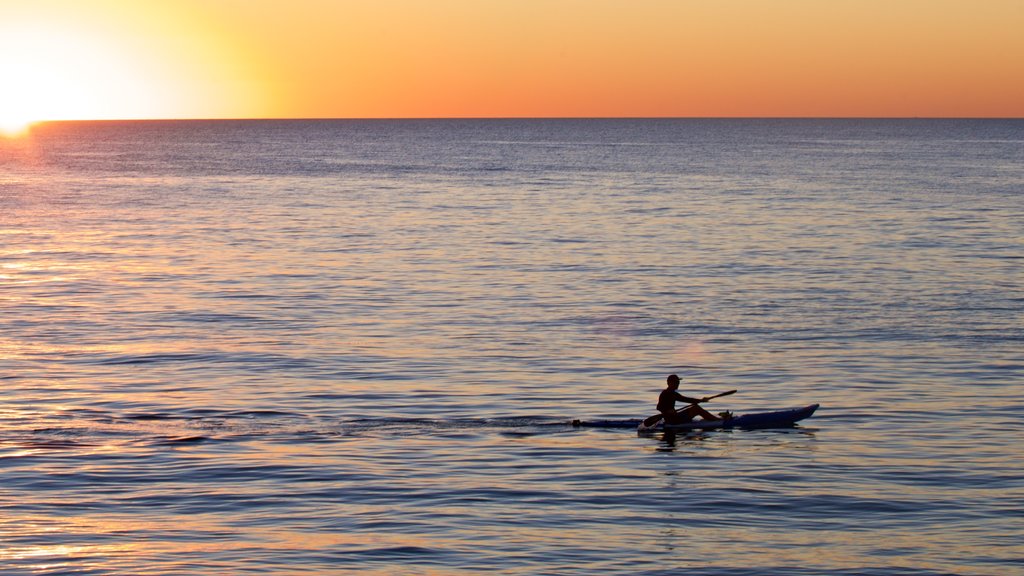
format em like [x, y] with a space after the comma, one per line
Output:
[509, 58]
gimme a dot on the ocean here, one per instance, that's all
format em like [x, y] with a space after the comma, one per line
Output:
[331, 347]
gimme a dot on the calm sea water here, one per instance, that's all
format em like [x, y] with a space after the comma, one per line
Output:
[325, 347]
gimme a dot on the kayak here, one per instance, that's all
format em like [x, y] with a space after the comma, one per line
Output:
[777, 419]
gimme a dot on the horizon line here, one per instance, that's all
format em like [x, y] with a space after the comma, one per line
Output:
[427, 118]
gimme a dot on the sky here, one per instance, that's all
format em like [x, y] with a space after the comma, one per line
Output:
[100, 59]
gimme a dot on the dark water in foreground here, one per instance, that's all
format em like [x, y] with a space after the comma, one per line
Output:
[331, 347]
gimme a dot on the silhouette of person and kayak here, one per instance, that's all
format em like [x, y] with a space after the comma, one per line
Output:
[667, 406]
[669, 418]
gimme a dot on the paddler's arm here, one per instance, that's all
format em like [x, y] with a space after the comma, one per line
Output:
[689, 400]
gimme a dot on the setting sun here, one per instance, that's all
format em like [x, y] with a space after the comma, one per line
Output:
[61, 62]
[46, 75]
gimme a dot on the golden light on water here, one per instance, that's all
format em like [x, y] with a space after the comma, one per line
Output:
[691, 352]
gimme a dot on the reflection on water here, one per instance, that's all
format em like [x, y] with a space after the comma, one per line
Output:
[767, 439]
[331, 347]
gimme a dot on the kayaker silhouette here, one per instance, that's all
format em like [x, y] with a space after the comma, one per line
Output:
[667, 404]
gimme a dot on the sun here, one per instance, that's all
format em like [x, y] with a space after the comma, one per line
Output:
[16, 114]
[59, 71]
[32, 92]
[142, 60]
[47, 74]
[13, 126]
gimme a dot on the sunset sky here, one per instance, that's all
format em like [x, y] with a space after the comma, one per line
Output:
[89, 59]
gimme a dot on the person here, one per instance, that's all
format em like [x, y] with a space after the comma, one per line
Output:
[667, 405]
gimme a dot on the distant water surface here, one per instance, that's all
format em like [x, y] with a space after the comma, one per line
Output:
[321, 347]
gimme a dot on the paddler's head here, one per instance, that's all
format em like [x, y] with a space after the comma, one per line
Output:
[673, 381]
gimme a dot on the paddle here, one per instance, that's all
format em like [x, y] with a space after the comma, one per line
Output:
[652, 420]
